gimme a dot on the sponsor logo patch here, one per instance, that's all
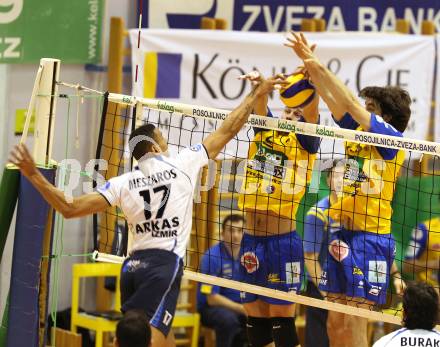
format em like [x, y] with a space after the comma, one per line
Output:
[377, 271]
[357, 271]
[250, 261]
[338, 249]
[293, 272]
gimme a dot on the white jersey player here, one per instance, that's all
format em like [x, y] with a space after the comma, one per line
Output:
[420, 315]
[157, 202]
[164, 185]
[406, 337]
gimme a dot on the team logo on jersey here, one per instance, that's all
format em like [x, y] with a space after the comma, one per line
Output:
[338, 249]
[250, 261]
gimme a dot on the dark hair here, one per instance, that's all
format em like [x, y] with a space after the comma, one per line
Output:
[232, 218]
[139, 147]
[394, 102]
[133, 330]
[420, 306]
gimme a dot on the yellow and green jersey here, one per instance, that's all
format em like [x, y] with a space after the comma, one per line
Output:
[370, 174]
[278, 169]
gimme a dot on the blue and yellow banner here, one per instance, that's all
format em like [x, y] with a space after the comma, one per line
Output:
[162, 75]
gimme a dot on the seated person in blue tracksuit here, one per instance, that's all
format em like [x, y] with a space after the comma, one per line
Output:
[315, 245]
[220, 308]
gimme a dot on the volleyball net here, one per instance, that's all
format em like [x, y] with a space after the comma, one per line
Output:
[401, 196]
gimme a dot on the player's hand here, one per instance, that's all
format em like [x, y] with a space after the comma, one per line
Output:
[300, 46]
[21, 158]
[399, 284]
[265, 86]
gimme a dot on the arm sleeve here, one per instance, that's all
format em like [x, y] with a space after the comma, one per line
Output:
[379, 126]
[418, 242]
[346, 122]
[314, 228]
[111, 190]
[210, 266]
[256, 129]
[309, 143]
[191, 159]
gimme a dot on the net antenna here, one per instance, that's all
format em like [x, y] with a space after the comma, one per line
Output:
[43, 101]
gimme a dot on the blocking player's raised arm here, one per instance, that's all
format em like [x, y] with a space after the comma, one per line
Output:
[335, 94]
[311, 111]
[77, 207]
[238, 117]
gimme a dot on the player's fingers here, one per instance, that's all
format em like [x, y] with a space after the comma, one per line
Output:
[25, 151]
[280, 76]
[303, 38]
[24, 155]
[296, 36]
[313, 47]
[290, 40]
[253, 75]
[17, 153]
[13, 158]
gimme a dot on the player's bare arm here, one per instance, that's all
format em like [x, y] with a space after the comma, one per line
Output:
[79, 207]
[260, 106]
[335, 94]
[399, 283]
[311, 110]
[238, 117]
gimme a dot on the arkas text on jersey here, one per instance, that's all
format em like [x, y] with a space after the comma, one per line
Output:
[158, 177]
[159, 227]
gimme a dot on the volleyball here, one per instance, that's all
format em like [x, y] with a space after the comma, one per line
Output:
[298, 93]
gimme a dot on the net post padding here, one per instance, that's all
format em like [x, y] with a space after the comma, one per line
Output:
[33, 214]
[45, 110]
[249, 288]
[31, 106]
[419, 146]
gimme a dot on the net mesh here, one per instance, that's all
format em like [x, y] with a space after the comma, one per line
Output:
[412, 202]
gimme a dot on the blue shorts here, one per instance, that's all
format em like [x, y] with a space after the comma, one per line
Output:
[150, 281]
[274, 262]
[358, 264]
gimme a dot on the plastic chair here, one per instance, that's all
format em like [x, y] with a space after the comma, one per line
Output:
[105, 322]
[190, 320]
[95, 321]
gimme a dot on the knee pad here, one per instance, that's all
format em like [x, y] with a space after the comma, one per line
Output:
[284, 332]
[259, 331]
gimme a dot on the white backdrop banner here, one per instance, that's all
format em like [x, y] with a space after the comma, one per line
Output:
[201, 67]
[437, 96]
